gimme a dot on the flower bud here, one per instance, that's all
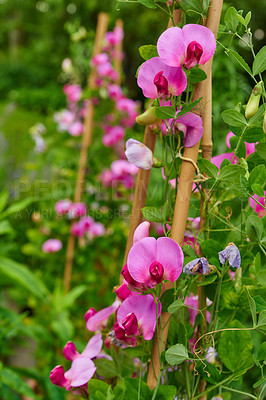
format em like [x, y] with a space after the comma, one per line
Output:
[149, 117]
[254, 101]
[139, 154]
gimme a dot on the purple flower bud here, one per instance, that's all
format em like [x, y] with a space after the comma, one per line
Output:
[89, 314]
[157, 271]
[57, 377]
[194, 53]
[197, 267]
[130, 324]
[232, 254]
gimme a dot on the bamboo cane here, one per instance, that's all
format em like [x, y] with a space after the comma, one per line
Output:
[184, 191]
[143, 177]
[101, 29]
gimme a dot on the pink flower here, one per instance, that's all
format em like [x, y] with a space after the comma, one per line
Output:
[96, 229]
[139, 154]
[250, 147]
[99, 319]
[123, 292]
[99, 59]
[257, 207]
[217, 160]
[113, 135]
[114, 91]
[120, 168]
[63, 207]
[191, 126]
[78, 209]
[158, 80]
[52, 246]
[115, 37]
[141, 231]
[73, 92]
[64, 119]
[189, 46]
[82, 368]
[137, 315]
[192, 303]
[76, 129]
[78, 229]
[150, 261]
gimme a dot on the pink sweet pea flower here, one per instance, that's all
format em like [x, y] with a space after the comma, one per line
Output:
[217, 160]
[189, 46]
[257, 207]
[99, 319]
[78, 209]
[99, 59]
[139, 154]
[158, 80]
[191, 126]
[122, 167]
[64, 119]
[78, 229]
[113, 135]
[123, 292]
[141, 231]
[150, 261]
[63, 207]
[250, 147]
[115, 37]
[52, 246]
[192, 303]
[137, 315]
[96, 229]
[73, 92]
[76, 129]
[114, 91]
[92, 349]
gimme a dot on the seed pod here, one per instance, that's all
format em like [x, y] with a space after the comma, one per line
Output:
[264, 123]
[149, 117]
[254, 101]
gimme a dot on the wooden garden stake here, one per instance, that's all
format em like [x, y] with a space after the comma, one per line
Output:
[102, 25]
[184, 189]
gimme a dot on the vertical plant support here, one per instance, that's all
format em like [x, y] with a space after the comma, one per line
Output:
[185, 183]
[118, 54]
[102, 25]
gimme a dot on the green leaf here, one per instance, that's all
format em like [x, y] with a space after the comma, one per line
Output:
[257, 189]
[192, 6]
[5, 227]
[262, 322]
[176, 354]
[176, 305]
[252, 306]
[241, 61]
[17, 207]
[148, 51]
[231, 174]
[260, 303]
[196, 75]
[132, 390]
[258, 383]
[247, 18]
[261, 149]
[153, 214]
[165, 112]
[262, 352]
[254, 227]
[119, 391]
[241, 19]
[70, 298]
[208, 372]
[230, 19]
[209, 168]
[207, 280]
[16, 383]
[211, 248]
[234, 118]
[258, 116]
[259, 63]
[258, 175]
[106, 368]
[63, 327]
[261, 277]
[241, 152]
[165, 392]
[96, 385]
[167, 299]
[235, 348]
[22, 276]
[147, 3]
[253, 135]
[3, 199]
[188, 108]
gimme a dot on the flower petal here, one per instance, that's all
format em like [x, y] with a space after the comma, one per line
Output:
[171, 256]
[81, 371]
[93, 347]
[100, 319]
[141, 255]
[203, 36]
[171, 47]
[141, 231]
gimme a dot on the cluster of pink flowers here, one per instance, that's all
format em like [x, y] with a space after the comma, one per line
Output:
[86, 225]
[121, 172]
[70, 119]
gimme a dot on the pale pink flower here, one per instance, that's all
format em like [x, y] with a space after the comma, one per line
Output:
[114, 91]
[76, 129]
[63, 206]
[52, 246]
[115, 37]
[73, 92]
[139, 154]
[98, 320]
[78, 209]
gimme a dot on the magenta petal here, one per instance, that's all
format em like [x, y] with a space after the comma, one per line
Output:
[101, 317]
[171, 47]
[57, 377]
[141, 255]
[70, 351]
[93, 347]
[217, 160]
[170, 255]
[141, 231]
[177, 81]
[193, 128]
[144, 309]
[203, 36]
[81, 371]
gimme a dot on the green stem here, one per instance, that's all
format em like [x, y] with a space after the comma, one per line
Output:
[157, 386]
[238, 391]
[213, 387]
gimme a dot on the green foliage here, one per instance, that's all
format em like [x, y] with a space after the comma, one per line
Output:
[176, 354]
